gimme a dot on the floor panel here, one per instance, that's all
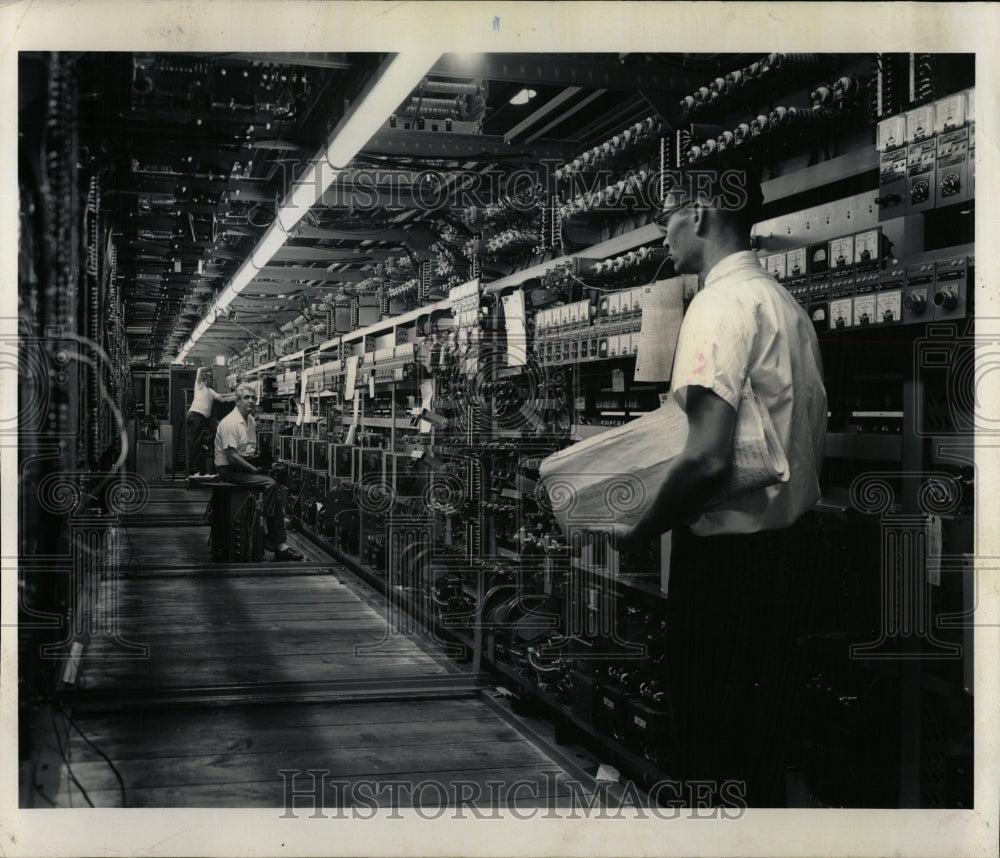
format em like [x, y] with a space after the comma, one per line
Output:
[210, 626]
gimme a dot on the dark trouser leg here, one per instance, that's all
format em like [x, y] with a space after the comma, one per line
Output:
[208, 444]
[274, 513]
[195, 424]
[735, 608]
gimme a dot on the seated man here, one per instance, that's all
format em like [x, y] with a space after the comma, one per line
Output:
[235, 447]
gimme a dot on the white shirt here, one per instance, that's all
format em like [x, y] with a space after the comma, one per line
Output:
[235, 433]
[743, 322]
[202, 401]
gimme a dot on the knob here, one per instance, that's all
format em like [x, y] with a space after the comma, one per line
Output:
[950, 184]
[888, 316]
[864, 320]
[840, 322]
[915, 302]
[946, 299]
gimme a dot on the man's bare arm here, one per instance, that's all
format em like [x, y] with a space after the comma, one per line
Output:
[695, 474]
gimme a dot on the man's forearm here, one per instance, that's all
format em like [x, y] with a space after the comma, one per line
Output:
[689, 484]
[236, 460]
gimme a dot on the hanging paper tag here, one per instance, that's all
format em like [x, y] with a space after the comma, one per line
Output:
[933, 558]
[617, 381]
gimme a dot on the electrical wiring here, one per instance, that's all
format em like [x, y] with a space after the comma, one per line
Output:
[65, 759]
[72, 721]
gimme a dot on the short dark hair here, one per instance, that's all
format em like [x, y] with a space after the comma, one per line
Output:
[729, 186]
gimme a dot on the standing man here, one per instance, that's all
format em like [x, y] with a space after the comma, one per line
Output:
[738, 585]
[199, 420]
[235, 453]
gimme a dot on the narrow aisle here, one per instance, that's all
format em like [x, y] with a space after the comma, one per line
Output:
[221, 676]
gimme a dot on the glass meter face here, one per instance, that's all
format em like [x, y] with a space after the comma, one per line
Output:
[842, 251]
[889, 306]
[891, 133]
[775, 265]
[795, 262]
[866, 246]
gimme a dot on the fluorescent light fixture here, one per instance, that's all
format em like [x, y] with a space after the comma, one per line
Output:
[524, 96]
[270, 244]
[397, 78]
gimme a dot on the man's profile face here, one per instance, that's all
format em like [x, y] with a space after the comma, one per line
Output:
[676, 225]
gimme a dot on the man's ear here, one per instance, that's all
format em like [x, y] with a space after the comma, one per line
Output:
[701, 220]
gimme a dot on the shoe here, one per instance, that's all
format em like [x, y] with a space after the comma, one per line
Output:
[287, 554]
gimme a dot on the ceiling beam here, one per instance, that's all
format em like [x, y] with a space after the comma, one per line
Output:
[567, 70]
[322, 254]
[303, 272]
[542, 112]
[447, 145]
[320, 61]
[566, 114]
[303, 231]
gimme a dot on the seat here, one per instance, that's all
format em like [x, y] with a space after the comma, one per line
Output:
[236, 515]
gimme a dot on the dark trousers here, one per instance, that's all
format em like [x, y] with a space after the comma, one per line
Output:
[274, 511]
[200, 434]
[736, 605]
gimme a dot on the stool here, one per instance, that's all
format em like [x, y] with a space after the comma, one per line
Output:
[236, 514]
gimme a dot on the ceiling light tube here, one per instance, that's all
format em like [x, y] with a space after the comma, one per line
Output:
[396, 79]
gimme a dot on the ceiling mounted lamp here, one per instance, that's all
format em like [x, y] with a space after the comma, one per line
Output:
[394, 81]
[523, 97]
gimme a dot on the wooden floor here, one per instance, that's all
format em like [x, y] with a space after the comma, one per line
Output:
[206, 681]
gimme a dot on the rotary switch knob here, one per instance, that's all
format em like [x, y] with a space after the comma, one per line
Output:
[915, 302]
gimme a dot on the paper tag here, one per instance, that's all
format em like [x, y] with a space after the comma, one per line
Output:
[617, 381]
[607, 773]
[371, 386]
[933, 558]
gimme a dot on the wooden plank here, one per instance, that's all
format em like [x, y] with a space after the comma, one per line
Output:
[217, 634]
[285, 717]
[197, 616]
[302, 668]
[290, 671]
[254, 740]
[421, 761]
[188, 646]
[458, 785]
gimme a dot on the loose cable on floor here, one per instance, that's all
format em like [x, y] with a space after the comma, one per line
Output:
[105, 757]
[65, 759]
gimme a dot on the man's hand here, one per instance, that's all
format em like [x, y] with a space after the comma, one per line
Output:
[624, 537]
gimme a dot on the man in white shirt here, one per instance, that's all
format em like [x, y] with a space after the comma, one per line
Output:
[737, 588]
[199, 420]
[235, 448]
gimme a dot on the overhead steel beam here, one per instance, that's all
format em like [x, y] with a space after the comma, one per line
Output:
[566, 70]
[542, 112]
[303, 231]
[320, 254]
[319, 61]
[273, 276]
[442, 144]
[302, 272]
[566, 114]
[614, 119]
